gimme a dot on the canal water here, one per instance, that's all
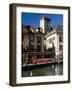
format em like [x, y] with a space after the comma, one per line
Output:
[50, 70]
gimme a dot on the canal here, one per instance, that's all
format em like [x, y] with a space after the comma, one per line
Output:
[50, 70]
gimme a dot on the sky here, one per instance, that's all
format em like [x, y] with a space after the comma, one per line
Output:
[33, 19]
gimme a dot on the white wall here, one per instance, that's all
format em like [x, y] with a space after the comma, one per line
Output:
[50, 45]
[4, 45]
[57, 44]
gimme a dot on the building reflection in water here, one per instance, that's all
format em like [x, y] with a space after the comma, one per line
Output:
[50, 70]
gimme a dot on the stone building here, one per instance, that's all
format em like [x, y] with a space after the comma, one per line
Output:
[42, 39]
[32, 39]
[55, 39]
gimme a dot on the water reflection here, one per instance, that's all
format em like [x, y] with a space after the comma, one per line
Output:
[49, 70]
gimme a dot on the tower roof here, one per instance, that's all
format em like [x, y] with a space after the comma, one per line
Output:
[46, 18]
